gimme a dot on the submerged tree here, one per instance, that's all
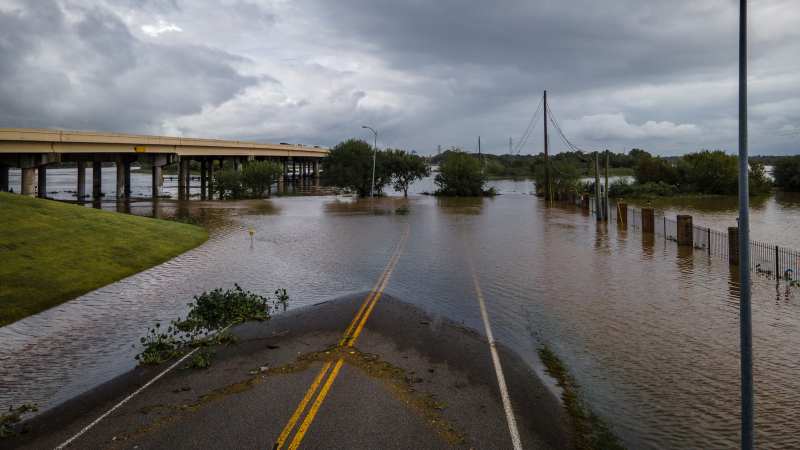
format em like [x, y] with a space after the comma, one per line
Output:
[349, 165]
[460, 174]
[259, 176]
[405, 168]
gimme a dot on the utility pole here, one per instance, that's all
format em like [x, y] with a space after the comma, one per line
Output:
[605, 203]
[480, 157]
[509, 144]
[745, 326]
[546, 154]
[598, 208]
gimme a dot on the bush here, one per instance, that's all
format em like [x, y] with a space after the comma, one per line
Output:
[228, 184]
[258, 177]
[210, 312]
[564, 178]
[786, 173]
[460, 175]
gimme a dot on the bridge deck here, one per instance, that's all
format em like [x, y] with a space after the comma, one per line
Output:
[25, 140]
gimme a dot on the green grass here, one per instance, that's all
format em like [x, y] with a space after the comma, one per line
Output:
[51, 252]
[591, 433]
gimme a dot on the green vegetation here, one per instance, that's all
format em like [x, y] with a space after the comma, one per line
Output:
[527, 166]
[705, 172]
[590, 431]
[405, 168]
[9, 420]
[253, 180]
[349, 166]
[461, 175]
[52, 252]
[786, 172]
[209, 317]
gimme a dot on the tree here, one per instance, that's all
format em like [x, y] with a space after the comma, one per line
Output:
[759, 182]
[228, 183]
[460, 175]
[258, 176]
[709, 172]
[349, 165]
[786, 173]
[652, 169]
[405, 168]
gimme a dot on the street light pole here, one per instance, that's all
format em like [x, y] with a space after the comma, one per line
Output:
[374, 155]
[745, 326]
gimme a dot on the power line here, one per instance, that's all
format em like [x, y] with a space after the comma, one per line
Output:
[529, 129]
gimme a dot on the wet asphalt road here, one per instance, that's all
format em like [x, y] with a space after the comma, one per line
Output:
[410, 382]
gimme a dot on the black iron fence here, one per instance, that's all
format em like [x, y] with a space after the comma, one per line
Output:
[766, 259]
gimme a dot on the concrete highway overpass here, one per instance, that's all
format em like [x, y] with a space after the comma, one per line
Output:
[32, 150]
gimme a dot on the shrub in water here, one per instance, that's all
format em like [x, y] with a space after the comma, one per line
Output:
[208, 313]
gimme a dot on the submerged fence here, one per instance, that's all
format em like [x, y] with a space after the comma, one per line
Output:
[766, 259]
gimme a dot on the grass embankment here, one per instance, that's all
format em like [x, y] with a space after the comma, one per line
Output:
[51, 252]
[590, 431]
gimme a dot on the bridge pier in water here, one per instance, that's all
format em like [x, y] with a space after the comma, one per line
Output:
[4, 169]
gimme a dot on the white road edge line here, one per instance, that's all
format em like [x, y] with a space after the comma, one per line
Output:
[125, 400]
[498, 368]
[129, 397]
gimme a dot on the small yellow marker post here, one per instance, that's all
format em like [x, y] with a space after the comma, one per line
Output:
[252, 232]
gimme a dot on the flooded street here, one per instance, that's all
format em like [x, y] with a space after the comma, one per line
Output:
[649, 331]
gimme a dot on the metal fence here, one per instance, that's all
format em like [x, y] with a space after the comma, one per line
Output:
[766, 259]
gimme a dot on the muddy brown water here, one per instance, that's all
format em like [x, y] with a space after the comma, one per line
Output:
[649, 331]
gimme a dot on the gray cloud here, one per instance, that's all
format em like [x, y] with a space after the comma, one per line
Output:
[81, 67]
[620, 73]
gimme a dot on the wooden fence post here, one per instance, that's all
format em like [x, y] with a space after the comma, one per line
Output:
[685, 231]
[733, 246]
[648, 220]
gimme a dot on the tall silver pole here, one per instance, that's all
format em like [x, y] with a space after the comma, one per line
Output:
[745, 325]
[374, 156]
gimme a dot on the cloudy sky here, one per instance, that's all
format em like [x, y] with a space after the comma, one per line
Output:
[619, 73]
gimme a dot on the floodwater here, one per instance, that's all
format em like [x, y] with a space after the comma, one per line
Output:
[649, 331]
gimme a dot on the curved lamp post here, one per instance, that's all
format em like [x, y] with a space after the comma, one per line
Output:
[374, 154]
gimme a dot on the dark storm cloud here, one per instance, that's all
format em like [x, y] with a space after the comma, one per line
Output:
[619, 73]
[89, 71]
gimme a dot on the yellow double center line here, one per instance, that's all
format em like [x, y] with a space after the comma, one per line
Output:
[348, 340]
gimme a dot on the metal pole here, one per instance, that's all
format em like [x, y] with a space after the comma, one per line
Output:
[745, 325]
[546, 154]
[374, 156]
[605, 200]
[598, 208]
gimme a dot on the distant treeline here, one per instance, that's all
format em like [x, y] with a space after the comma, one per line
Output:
[704, 172]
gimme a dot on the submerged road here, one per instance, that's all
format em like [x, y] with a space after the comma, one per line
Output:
[364, 371]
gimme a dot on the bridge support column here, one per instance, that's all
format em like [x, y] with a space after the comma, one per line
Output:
[126, 167]
[81, 188]
[203, 175]
[315, 169]
[97, 179]
[28, 181]
[236, 164]
[211, 178]
[182, 179]
[120, 166]
[3, 178]
[156, 181]
[42, 181]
